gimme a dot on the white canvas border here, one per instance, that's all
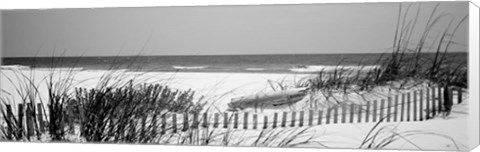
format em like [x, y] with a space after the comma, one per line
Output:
[47, 4]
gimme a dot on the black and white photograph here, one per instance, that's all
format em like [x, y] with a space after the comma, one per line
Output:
[376, 75]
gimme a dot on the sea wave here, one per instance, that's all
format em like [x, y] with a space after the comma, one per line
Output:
[255, 69]
[189, 67]
[330, 68]
[60, 69]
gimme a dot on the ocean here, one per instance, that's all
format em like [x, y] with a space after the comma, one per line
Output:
[287, 63]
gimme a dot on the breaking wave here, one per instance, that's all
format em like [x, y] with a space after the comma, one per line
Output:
[255, 69]
[13, 67]
[189, 67]
[330, 68]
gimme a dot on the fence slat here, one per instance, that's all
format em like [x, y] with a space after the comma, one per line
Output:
[284, 119]
[225, 120]
[320, 116]
[265, 122]
[415, 105]
[301, 119]
[164, 124]
[389, 108]
[30, 117]
[395, 110]
[409, 101]
[402, 110]
[174, 122]
[352, 111]
[245, 120]
[459, 96]
[235, 120]
[185, 122]
[374, 111]
[440, 99]
[215, 120]
[327, 117]
[359, 116]
[420, 101]
[205, 120]
[195, 122]
[335, 115]
[434, 102]
[275, 117]
[310, 117]
[255, 121]
[20, 120]
[41, 124]
[382, 109]
[292, 121]
[10, 118]
[344, 113]
[367, 112]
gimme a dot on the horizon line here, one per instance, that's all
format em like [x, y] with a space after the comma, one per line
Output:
[217, 55]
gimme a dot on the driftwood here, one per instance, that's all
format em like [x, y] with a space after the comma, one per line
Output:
[276, 98]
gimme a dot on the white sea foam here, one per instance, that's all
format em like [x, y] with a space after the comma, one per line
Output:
[254, 69]
[328, 68]
[189, 67]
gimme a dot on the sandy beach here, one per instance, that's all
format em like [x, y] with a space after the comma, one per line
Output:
[219, 88]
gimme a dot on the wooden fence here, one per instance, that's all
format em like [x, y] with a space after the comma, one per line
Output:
[417, 105]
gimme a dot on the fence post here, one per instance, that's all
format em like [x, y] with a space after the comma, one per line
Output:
[301, 118]
[284, 119]
[415, 105]
[265, 122]
[255, 121]
[225, 120]
[367, 112]
[20, 120]
[292, 123]
[374, 110]
[235, 120]
[320, 116]
[185, 122]
[310, 117]
[420, 110]
[459, 95]
[395, 110]
[215, 120]
[41, 124]
[344, 113]
[275, 117]
[245, 120]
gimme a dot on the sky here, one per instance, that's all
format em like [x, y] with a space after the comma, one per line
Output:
[215, 30]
